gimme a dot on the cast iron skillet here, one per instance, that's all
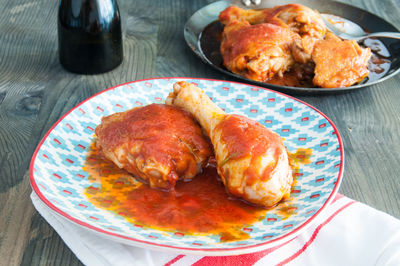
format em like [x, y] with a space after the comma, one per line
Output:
[210, 54]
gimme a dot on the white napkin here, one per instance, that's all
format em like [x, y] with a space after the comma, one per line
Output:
[348, 233]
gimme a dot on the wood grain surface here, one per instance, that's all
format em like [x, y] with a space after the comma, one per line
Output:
[35, 91]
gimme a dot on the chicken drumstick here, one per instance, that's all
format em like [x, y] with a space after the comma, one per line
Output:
[251, 159]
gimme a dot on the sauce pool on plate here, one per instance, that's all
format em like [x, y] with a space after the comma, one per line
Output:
[200, 206]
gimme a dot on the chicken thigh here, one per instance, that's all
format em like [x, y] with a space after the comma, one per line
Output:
[157, 143]
[251, 159]
[258, 52]
[339, 63]
[294, 17]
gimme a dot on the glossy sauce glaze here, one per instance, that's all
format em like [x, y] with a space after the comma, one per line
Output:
[379, 64]
[200, 206]
[246, 137]
[380, 61]
[159, 151]
[241, 42]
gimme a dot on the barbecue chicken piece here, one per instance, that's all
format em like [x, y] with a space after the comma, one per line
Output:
[158, 144]
[251, 159]
[253, 16]
[339, 63]
[295, 17]
[258, 52]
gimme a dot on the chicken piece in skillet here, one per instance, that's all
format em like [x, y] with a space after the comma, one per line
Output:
[339, 63]
[258, 52]
[295, 17]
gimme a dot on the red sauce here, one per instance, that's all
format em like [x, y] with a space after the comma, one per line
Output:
[158, 135]
[244, 43]
[246, 37]
[210, 41]
[173, 141]
[295, 77]
[200, 206]
[301, 156]
[244, 137]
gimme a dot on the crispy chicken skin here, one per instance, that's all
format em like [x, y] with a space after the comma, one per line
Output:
[339, 63]
[257, 52]
[157, 143]
[251, 159]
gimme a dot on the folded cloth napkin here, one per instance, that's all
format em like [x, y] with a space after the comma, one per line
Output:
[348, 233]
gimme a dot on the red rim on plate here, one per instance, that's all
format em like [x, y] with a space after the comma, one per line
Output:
[204, 251]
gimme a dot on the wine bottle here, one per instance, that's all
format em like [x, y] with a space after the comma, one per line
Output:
[89, 35]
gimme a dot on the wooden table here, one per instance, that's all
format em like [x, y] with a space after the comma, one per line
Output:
[35, 91]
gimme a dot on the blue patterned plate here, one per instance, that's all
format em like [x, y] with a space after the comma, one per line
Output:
[57, 175]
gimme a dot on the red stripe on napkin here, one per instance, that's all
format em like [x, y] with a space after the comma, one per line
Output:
[337, 197]
[249, 259]
[174, 260]
[314, 235]
[252, 258]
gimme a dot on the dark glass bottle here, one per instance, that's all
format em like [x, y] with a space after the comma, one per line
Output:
[89, 35]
